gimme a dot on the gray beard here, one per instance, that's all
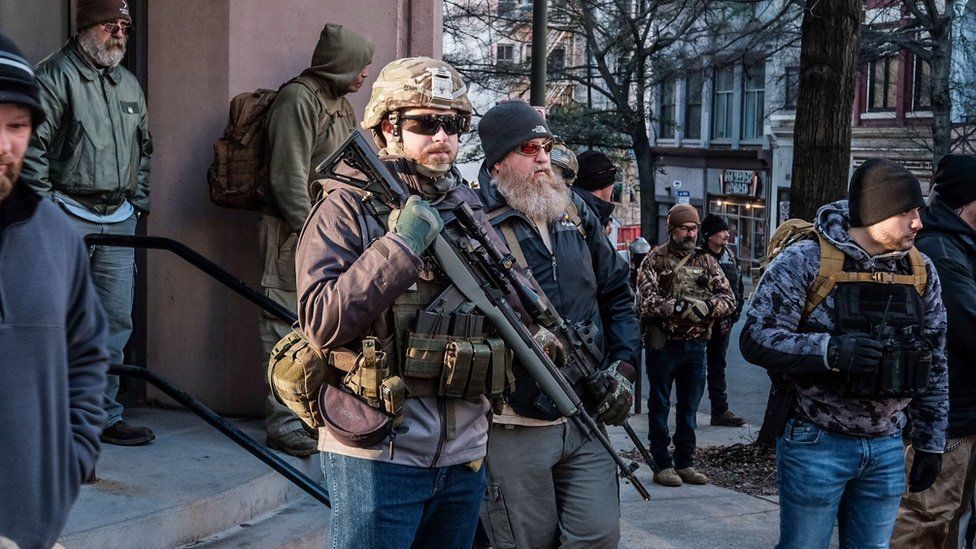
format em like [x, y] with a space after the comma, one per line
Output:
[544, 201]
[107, 55]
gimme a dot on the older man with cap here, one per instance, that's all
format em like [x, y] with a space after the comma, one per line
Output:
[548, 486]
[52, 336]
[948, 237]
[851, 322]
[91, 157]
[682, 291]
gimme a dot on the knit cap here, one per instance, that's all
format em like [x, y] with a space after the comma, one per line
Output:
[596, 171]
[679, 214]
[881, 189]
[713, 224]
[17, 82]
[93, 12]
[955, 179]
[506, 126]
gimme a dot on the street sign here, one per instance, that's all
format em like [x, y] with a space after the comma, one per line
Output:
[684, 197]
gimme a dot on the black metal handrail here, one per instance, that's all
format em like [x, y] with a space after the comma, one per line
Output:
[194, 258]
[227, 428]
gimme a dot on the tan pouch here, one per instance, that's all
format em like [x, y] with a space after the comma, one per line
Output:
[296, 373]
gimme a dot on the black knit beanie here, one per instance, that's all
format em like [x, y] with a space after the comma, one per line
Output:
[713, 224]
[881, 189]
[506, 126]
[596, 171]
[955, 179]
[17, 82]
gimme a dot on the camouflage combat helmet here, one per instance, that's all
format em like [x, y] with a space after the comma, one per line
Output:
[563, 158]
[418, 82]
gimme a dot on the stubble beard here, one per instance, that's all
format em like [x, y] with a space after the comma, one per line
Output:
[543, 199]
[108, 54]
[9, 176]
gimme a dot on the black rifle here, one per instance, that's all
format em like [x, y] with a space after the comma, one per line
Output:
[481, 285]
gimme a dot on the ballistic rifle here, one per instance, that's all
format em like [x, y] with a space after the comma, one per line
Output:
[465, 261]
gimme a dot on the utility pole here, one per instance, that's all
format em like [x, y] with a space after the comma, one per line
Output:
[537, 95]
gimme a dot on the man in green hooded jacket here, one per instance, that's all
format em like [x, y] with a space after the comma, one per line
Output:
[308, 121]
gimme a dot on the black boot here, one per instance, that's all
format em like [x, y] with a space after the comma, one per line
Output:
[122, 434]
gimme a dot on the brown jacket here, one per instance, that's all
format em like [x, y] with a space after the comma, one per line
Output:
[346, 291]
[659, 288]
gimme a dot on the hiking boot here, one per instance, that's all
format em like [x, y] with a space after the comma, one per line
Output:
[667, 477]
[123, 434]
[691, 476]
[728, 419]
[297, 443]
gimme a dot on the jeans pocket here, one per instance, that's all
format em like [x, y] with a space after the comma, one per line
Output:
[494, 517]
[801, 433]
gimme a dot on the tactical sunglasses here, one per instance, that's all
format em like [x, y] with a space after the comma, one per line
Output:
[531, 148]
[113, 28]
[430, 124]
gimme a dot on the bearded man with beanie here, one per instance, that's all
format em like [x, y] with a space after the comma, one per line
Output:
[948, 237]
[862, 351]
[308, 121]
[681, 292]
[91, 157]
[548, 486]
[715, 241]
[52, 336]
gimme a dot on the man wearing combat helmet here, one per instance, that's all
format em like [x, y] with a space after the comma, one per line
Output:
[366, 288]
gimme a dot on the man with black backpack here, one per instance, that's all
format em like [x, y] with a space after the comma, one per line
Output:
[309, 119]
[851, 321]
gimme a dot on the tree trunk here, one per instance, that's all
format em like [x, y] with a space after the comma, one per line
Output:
[940, 85]
[645, 176]
[822, 138]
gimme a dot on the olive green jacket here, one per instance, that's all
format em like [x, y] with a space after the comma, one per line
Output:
[95, 144]
[307, 122]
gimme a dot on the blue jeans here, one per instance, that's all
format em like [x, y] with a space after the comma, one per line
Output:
[113, 272]
[682, 364]
[385, 505]
[823, 476]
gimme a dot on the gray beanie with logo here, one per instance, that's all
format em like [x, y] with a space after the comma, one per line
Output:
[506, 126]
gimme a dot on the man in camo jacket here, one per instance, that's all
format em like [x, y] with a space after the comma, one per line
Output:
[841, 456]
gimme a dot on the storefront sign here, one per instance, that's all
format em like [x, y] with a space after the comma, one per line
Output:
[741, 182]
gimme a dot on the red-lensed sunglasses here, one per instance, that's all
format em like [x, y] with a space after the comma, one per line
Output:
[113, 28]
[531, 148]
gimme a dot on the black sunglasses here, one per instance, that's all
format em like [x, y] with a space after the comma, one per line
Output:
[430, 124]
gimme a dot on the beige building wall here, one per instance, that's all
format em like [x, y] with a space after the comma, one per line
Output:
[201, 53]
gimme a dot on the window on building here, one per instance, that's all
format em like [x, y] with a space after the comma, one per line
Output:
[506, 7]
[693, 105]
[753, 100]
[722, 103]
[556, 60]
[668, 109]
[504, 54]
[921, 86]
[792, 87]
[883, 83]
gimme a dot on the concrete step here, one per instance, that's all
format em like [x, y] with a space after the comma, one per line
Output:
[189, 484]
[302, 524]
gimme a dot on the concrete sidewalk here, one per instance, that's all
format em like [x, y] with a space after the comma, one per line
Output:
[193, 484]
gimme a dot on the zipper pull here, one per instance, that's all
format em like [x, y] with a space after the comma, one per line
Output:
[392, 445]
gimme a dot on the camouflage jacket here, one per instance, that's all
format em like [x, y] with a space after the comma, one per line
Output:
[659, 289]
[776, 338]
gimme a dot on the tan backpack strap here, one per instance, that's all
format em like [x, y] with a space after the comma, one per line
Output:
[573, 215]
[513, 244]
[498, 211]
[919, 275]
[831, 263]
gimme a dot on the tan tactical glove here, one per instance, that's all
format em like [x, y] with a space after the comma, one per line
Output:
[692, 310]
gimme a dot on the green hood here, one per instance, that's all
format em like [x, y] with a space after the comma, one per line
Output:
[339, 57]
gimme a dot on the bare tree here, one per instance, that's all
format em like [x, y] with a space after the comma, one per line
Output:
[925, 29]
[822, 135]
[632, 47]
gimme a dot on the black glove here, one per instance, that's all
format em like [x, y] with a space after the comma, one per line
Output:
[854, 354]
[925, 469]
[615, 392]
